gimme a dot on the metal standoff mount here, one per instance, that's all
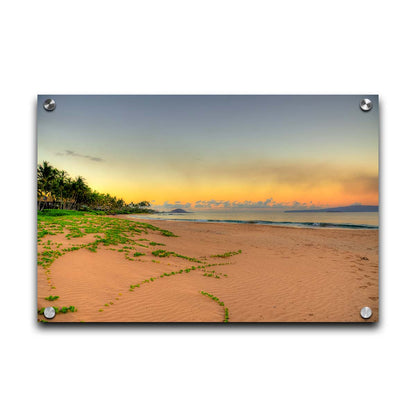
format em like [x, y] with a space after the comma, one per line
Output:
[49, 312]
[366, 104]
[49, 104]
[366, 312]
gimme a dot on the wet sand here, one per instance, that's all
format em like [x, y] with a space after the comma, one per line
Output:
[281, 275]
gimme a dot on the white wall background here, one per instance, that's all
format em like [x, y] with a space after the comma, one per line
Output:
[85, 47]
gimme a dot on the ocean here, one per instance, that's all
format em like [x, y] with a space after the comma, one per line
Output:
[346, 220]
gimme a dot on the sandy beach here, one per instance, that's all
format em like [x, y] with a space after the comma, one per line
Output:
[280, 275]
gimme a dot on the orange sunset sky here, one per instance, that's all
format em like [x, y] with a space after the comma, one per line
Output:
[217, 151]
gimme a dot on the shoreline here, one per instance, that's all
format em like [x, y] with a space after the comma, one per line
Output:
[281, 224]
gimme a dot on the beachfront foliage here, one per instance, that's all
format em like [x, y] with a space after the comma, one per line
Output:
[56, 189]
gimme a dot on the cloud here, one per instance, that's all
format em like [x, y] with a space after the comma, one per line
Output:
[305, 176]
[360, 183]
[301, 174]
[268, 203]
[75, 154]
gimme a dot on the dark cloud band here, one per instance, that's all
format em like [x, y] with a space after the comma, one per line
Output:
[75, 154]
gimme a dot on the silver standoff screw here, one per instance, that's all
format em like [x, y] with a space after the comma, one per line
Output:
[49, 104]
[366, 312]
[49, 312]
[366, 104]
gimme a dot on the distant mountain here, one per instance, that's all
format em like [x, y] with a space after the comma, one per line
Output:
[179, 211]
[349, 208]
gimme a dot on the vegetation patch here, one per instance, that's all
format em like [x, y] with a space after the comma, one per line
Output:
[167, 233]
[228, 254]
[52, 298]
[214, 298]
[212, 274]
[164, 253]
[47, 257]
[107, 232]
[59, 213]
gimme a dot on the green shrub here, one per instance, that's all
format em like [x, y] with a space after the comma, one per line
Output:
[51, 298]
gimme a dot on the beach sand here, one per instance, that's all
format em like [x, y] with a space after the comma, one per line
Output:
[281, 275]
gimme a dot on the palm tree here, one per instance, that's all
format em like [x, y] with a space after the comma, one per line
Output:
[80, 191]
[46, 174]
[72, 193]
[60, 185]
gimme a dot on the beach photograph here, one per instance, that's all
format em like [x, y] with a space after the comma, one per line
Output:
[207, 208]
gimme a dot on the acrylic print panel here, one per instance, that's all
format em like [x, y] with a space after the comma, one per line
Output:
[207, 209]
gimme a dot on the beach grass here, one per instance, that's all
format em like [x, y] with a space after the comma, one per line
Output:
[116, 234]
[106, 231]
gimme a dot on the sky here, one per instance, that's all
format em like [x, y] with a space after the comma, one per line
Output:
[217, 151]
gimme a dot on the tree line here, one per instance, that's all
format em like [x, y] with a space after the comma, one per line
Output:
[56, 189]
